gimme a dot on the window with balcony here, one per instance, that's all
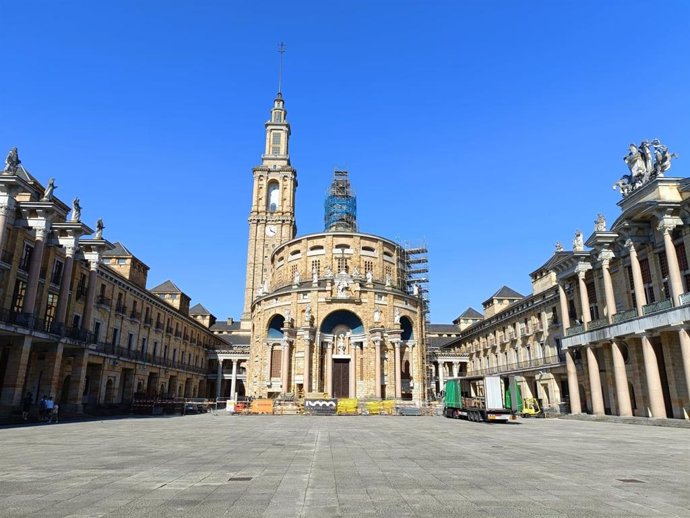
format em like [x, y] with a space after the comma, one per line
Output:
[18, 296]
[25, 261]
[56, 276]
[647, 280]
[51, 307]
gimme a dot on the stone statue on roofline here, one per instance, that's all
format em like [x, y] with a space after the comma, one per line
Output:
[12, 161]
[646, 162]
[76, 211]
[600, 223]
[578, 242]
[48, 193]
[99, 228]
[559, 246]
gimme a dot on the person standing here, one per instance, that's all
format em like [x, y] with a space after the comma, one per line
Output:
[50, 404]
[26, 405]
[42, 408]
[54, 412]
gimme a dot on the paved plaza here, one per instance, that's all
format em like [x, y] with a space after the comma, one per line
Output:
[206, 465]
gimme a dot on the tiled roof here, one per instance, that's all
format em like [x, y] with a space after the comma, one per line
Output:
[199, 310]
[118, 250]
[437, 342]
[166, 287]
[470, 313]
[443, 328]
[507, 293]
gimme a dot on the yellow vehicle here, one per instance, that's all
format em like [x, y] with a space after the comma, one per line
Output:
[530, 407]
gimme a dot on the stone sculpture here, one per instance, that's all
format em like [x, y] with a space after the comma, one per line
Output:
[99, 228]
[12, 162]
[645, 162]
[48, 193]
[76, 211]
[600, 223]
[578, 242]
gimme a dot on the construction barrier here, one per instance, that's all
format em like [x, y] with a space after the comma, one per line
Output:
[261, 406]
[321, 406]
[374, 407]
[388, 407]
[347, 406]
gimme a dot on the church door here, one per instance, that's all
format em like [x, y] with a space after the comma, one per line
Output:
[341, 378]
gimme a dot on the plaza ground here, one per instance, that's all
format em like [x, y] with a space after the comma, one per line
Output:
[206, 465]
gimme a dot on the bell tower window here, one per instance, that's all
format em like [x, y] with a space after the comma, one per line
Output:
[273, 197]
[275, 143]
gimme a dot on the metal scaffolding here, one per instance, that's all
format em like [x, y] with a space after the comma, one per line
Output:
[341, 205]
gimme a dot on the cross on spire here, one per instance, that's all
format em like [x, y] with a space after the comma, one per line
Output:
[281, 51]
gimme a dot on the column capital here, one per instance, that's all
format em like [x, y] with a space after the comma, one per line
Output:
[70, 251]
[582, 268]
[630, 245]
[41, 233]
[667, 223]
[605, 256]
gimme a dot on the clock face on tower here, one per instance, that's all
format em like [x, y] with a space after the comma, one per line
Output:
[270, 230]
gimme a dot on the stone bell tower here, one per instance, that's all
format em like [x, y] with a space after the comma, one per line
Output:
[272, 215]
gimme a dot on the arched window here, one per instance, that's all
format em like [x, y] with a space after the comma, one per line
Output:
[273, 200]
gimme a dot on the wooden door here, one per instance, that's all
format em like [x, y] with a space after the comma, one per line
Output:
[341, 378]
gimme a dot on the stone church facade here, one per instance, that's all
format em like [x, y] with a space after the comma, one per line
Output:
[334, 313]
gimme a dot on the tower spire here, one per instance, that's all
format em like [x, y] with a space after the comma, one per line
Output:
[281, 51]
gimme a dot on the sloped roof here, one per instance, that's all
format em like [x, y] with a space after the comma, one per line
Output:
[438, 342]
[556, 258]
[470, 313]
[507, 293]
[118, 250]
[166, 287]
[443, 328]
[225, 327]
[198, 310]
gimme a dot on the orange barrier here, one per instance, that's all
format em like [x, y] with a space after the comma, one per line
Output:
[261, 406]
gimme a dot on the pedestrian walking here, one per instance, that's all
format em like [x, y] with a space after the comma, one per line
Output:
[54, 413]
[42, 408]
[50, 404]
[26, 405]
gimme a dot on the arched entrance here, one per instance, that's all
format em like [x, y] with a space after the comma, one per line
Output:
[342, 337]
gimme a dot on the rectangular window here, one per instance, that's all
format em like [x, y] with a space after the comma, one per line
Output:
[368, 266]
[18, 296]
[143, 346]
[116, 332]
[316, 267]
[56, 277]
[342, 264]
[25, 261]
[130, 341]
[276, 358]
[51, 306]
[155, 349]
[293, 271]
[165, 352]
[96, 332]
[647, 280]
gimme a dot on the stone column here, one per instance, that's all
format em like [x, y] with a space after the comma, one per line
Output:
[584, 297]
[594, 381]
[34, 271]
[233, 382]
[307, 360]
[377, 367]
[638, 287]
[398, 368]
[666, 225]
[573, 386]
[353, 369]
[6, 207]
[605, 258]
[15, 373]
[563, 300]
[621, 378]
[54, 359]
[77, 382]
[455, 369]
[329, 369]
[63, 299]
[441, 381]
[685, 357]
[219, 378]
[651, 369]
[412, 369]
[87, 321]
[285, 368]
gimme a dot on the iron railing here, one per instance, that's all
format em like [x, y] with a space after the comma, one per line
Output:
[547, 361]
[655, 307]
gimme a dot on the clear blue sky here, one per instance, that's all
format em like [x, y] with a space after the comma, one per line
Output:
[488, 130]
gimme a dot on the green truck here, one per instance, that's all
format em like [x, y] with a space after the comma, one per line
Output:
[494, 406]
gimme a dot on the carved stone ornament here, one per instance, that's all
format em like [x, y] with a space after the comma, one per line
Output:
[578, 242]
[12, 162]
[646, 162]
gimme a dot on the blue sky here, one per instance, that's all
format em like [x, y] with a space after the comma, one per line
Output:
[487, 130]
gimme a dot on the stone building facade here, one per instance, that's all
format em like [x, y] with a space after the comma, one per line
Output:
[77, 321]
[335, 312]
[605, 328]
